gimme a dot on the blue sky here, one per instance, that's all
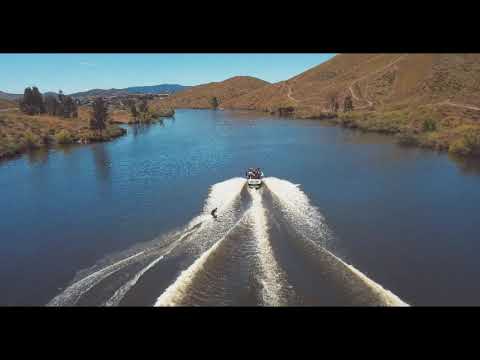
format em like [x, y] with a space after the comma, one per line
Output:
[79, 72]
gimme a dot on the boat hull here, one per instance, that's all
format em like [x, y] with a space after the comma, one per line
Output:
[254, 183]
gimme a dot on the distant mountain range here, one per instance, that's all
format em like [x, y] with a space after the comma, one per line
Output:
[154, 89]
[8, 96]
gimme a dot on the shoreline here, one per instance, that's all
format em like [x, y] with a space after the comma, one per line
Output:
[447, 134]
[361, 121]
[21, 133]
[23, 150]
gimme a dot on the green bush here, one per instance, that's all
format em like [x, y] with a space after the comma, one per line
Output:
[63, 137]
[429, 125]
[468, 144]
[31, 140]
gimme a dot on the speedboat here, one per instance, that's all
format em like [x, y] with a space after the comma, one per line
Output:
[254, 178]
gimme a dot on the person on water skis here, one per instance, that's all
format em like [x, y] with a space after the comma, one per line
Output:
[214, 213]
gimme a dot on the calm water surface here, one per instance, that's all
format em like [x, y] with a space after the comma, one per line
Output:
[406, 218]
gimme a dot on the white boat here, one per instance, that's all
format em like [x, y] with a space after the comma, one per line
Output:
[254, 178]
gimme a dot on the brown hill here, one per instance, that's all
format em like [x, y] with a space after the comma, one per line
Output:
[9, 96]
[7, 104]
[199, 96]
[375, 81]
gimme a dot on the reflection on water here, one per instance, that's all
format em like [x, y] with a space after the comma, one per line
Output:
[67, 149]
[144, 128]
[468, 166]
[140, 129]
[38, 157]
[102, 161]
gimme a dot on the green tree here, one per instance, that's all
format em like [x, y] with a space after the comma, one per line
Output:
[51, 104]
[68, 107]
[74, 112]
[133, 110]
[214, 102]
[429, 125]
[37, 101]
[348, 104]
[143, 106]
[61, 96]
[332, 101]
[26, 104]
[32, 102]
[100, 114]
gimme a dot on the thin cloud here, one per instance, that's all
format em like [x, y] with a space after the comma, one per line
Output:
[84, 63]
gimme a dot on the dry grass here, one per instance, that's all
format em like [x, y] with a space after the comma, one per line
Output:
[198, 97]
[424, 126]
[7, 104]
[20, 132]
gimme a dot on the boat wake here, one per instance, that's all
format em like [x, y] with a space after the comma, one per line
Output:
[266, 247]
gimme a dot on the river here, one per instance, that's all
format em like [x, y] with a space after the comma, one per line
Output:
[343, 218]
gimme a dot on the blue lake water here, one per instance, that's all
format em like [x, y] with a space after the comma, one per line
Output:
[405, 217]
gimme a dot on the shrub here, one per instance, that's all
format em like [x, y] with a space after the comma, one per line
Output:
[63, 137]
[31, 140]
[214, 102]
[429, 125]
[468, 144]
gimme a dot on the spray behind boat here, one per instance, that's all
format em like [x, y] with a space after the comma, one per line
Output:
[254, 178]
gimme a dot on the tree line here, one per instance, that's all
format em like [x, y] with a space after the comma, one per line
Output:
[99, 118]
[33, 103]
[142, 108]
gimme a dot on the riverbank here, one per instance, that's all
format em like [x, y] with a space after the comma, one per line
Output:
[442, 128]
[20, 133]
[422, 128]
[153, 115]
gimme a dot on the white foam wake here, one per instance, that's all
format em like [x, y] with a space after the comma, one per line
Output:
[272, 277]
[177, 291]
[221, 195]
[296, 207]
[120, 293]
[71, 295]
[386, 297]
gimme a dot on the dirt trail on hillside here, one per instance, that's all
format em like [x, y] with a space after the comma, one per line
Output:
[370, 103]
[289, 95]
[470, 107]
